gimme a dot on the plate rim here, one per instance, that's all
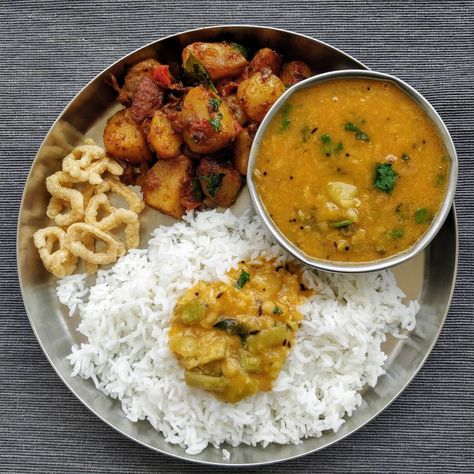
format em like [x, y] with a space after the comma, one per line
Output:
[63, 379]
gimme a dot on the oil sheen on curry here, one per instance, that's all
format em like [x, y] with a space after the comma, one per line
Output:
[352, 170]
[232, 338]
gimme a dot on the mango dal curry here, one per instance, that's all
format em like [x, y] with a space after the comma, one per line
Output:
[352, 170]
[233, 338]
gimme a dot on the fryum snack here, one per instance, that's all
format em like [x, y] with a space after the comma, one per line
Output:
[89, 162]
[79, 193]
[60, 262]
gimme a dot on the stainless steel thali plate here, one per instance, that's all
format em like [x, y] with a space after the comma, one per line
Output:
[429, 277]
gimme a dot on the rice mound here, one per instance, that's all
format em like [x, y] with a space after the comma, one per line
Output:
[125, 317]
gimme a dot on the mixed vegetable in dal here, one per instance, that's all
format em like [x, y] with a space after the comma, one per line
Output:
[362, 168]
[233, 338]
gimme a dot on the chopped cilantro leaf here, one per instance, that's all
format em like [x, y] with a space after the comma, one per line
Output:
[351, 127]
[325, 138]
[396, 233]
[285, 123]
[328, 147]
[285, 119]
[385, 177]
[277, 310]
[406, 157]
[216, 122]
[422, 216]
[244, 277]
[213, 182]
[214, 104]
[359, 134]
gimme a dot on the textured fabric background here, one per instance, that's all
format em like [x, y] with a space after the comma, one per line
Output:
[49, 51]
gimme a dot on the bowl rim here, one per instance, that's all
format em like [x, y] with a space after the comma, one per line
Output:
[355, 267]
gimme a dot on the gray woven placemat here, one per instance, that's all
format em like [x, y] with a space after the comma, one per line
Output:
[49, 51]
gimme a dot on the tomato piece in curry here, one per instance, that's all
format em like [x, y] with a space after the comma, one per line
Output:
[232, 338]
[352, 170]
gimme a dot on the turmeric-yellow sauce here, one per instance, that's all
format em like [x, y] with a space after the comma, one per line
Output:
[232, 338]
[352, 170]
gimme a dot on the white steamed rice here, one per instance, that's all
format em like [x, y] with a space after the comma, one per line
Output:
[125, 318]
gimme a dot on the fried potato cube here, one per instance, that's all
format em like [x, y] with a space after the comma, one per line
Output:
[258, 93]
[242, 146]
[264, 58]
[220, 59]
[124, 139]
[162, 138]
[294, 72]
[164, 184]
[220, 182]
[236, 108]
[208, 122]
[133, 78]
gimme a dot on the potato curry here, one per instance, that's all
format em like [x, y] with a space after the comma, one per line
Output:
[186, 130]
[361, 166]
[232, 338]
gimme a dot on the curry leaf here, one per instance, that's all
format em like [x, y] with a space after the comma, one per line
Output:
[343, 223]
[230, 326]
[196, 189]
[196, 72]
[243, 50]
[244, 277]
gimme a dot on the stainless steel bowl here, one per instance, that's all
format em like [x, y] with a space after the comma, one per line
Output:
[356, 267]
[429, 277]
